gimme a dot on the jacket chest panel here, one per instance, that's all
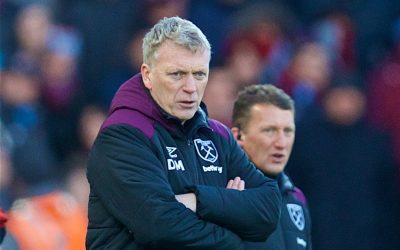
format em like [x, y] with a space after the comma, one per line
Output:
[192, 162]
[294, 224]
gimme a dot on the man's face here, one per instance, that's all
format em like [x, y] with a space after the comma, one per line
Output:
[177, 79]
[268, 137]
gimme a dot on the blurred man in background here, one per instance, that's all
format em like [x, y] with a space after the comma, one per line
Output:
[263, 119]
[345, 167]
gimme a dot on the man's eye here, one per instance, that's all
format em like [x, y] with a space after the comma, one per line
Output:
[199, 75]
[176, 75]
[270, 131]
[289, 132]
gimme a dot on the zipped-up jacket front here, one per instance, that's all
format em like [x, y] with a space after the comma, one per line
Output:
[294, 228]
[143, 157]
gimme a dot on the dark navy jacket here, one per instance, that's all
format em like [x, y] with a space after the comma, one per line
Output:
[294, 229]
[143, 157]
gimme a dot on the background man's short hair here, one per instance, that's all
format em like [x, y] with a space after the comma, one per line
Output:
[259, 94]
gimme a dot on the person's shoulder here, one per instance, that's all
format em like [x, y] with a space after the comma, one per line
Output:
[132, 118]
[219, 128]
[286, 185]
[299, 195]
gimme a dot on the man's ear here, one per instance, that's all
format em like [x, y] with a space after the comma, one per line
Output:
[145, 71]
[237, 134]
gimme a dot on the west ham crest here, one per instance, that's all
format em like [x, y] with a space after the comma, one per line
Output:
[206, 150]
[296, 215]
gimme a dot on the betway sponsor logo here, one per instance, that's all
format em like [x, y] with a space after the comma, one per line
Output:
[302, 242]
[212, 168]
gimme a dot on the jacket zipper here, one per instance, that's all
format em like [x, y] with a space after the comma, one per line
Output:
[193, 159]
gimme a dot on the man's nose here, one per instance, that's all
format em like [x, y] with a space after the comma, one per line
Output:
[281, 139]
[190, 84]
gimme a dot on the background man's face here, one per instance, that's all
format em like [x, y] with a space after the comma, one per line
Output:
[268, 137]
[177, 79]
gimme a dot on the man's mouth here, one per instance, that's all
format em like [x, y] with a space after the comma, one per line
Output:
[278, 157]
[187, 104]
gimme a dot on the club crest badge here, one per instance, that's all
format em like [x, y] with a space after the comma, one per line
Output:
[206, 150]
[296, 215]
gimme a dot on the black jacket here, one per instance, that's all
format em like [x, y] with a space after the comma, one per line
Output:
[143, 157]
[294, 229]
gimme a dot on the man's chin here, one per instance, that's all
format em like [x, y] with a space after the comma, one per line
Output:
[184, 116]
[275, 168]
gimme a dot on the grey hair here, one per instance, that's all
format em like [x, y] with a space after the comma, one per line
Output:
[178, 30]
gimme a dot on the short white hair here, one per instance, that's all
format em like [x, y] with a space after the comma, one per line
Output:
[177, 30]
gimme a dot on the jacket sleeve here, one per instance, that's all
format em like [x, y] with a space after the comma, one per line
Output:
[253, 214]
[132, 184]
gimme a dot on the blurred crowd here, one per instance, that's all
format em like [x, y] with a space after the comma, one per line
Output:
[61, 62]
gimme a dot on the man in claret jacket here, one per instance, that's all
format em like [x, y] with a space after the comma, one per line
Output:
[164, 176]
